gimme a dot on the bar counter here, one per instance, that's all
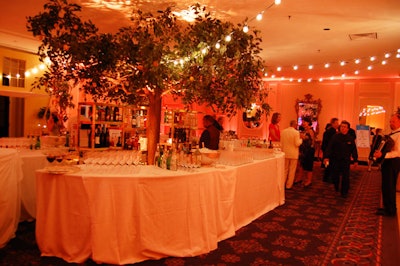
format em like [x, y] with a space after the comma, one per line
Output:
[153, 213]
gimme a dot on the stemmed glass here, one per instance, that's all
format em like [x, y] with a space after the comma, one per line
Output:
[50, 157]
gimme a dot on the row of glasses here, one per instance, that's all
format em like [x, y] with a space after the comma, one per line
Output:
[56, 154]
[114, 158]
[111, 162]
[17, 143]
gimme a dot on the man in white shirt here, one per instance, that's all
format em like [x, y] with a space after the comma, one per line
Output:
[390, 169]
[290, 142]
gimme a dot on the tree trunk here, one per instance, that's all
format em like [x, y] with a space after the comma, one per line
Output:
[153, 125]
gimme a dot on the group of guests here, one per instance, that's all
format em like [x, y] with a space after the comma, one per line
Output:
[339, 155]
[339, 152]
[298, 145]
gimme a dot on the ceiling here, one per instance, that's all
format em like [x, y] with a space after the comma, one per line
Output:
[295, 33]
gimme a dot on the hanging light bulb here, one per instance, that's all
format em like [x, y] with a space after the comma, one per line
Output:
[372, 58]
[387, 55]
[295, 67]
[384, 62]
[357, 61]
[228, 38]
[217, 45]
[369, 67]
[246, 29]
[259, 16]
[342, 63]
[327, 65]
[309, 80]
[278, 68]
[356, 72]
[310, 67]
[321, 79]
[278, 2]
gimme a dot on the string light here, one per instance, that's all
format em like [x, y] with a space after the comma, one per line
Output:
[377, 61]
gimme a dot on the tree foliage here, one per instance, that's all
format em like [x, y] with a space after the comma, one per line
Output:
[157, 54]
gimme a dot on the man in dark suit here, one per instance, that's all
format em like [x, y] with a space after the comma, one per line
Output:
[341, 149]
[327, 136]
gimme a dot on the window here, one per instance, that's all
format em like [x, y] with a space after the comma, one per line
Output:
[13, 72]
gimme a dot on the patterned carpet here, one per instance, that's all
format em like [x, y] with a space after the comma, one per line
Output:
[316, 226]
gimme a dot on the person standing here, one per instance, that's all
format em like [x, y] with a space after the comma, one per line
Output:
[274, 131]
[307, 152]
[290, 143]
[210, 136]
[390, 169]
[374, 145]
[341, 149]
[327, 136]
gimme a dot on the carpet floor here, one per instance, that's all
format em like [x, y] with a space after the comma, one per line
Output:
[315, 226]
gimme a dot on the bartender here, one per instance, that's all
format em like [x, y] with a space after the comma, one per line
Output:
[210, 136]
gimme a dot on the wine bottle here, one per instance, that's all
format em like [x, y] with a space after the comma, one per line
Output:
[97, 137]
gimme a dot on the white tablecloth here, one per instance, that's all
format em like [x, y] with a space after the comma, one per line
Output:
[156, 213]
[32, 160]
[10, 194]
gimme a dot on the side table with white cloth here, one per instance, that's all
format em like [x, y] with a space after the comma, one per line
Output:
[32, 160]
[10, 194]
[122, 218]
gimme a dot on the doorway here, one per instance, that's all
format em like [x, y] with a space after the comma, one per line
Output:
[4, 116]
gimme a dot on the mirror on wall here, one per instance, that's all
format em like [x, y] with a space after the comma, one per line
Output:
[252, 117]
[308, 107]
